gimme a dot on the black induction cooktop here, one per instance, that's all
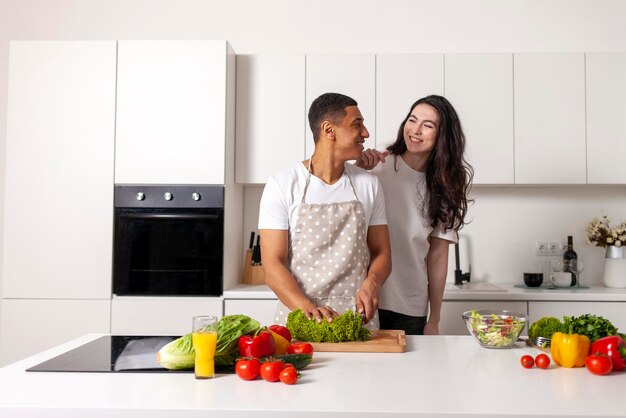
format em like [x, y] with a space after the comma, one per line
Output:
[111, 353]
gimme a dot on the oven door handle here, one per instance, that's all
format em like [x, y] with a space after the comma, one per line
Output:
[166, 216]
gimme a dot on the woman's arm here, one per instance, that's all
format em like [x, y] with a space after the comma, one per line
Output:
[437, 264]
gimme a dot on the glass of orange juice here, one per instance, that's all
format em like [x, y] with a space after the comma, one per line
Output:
[204, 338]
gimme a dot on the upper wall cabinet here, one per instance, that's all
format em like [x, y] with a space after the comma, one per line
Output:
[401, 79]
[606, 107]
[270, 115]
[352, 75]
[171, 112]
[480, 87]
[59, 193]
[549, 103]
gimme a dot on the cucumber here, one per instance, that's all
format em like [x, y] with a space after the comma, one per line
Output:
[299, 361]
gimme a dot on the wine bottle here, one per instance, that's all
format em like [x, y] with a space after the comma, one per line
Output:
[568, 256]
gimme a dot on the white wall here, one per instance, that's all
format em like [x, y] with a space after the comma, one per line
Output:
[506, 220]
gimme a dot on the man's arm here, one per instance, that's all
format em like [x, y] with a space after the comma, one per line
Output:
[275, 247]
[437, 264]
[367, 297]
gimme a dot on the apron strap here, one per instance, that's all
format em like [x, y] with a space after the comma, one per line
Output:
[308, 180]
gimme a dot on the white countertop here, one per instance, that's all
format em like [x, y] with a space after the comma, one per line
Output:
[447, 376]
[507, 291]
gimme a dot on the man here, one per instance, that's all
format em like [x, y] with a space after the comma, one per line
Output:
[323, 224]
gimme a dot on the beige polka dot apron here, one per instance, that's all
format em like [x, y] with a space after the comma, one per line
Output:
[329, 255]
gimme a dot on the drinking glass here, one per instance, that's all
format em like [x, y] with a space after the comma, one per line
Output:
[204, 338]
[557, 266]
[576, 266]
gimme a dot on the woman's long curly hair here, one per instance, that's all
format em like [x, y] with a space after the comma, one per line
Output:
[448, 175]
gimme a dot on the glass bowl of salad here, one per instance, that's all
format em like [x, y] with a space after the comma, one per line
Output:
[495, 329]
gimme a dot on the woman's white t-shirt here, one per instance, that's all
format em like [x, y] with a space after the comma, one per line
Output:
[283, 193]
[406, 289]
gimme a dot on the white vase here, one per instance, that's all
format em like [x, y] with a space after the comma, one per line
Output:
[615, 267]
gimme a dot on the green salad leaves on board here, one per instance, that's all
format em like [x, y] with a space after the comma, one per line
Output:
[179, 354]
[346, 327]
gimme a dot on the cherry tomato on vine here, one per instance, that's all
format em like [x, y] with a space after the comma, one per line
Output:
[247, 368]
[270, 370]
[300, 348]
[599, 364]
[289, 375]
[527, 361]
[542, 361]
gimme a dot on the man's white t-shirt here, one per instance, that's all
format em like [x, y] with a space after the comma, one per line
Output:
[283, 194]
[406, 289]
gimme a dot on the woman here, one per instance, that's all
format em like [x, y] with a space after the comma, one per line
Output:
[425, 180]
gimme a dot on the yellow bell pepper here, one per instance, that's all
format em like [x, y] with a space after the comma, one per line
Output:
[569, 350]
[280, 344]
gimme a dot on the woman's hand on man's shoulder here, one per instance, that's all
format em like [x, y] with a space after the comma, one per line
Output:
[370, 158]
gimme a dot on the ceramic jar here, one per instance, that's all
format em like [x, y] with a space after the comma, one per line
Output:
[615, 267]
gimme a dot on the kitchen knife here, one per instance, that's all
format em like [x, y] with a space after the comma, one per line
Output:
[256, 253]
[251, 240]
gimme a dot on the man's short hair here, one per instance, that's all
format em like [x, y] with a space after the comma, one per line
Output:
[328, 106]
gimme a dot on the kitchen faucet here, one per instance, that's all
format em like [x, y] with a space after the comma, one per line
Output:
[459, 276]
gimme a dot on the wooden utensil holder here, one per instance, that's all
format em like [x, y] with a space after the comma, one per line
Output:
[252, 274]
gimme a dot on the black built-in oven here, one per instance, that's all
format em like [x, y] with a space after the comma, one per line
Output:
[168, 240]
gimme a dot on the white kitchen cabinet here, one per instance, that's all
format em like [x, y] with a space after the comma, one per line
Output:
[171, 112]
[480, 87]
[270, 120]
[452, 323]
[401, 79]
[59, 170]
[29, 326]
[349, 74]
[606, 105]
[549, 106]
[260, 309]
[613, 311]
[160, 315]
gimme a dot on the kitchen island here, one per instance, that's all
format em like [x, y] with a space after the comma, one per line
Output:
[443, 376]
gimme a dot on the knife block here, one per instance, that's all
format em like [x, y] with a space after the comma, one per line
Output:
[252, 274]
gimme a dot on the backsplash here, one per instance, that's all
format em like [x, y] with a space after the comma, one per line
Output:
[506, 222]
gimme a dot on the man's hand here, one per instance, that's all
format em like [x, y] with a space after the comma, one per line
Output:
[367, 299]
[370, 158]
[319, 313]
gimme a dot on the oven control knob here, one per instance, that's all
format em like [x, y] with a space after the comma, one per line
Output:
[195, 196]
[140, 196]
[168, 196]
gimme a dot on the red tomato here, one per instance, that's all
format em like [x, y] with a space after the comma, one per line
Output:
[542, 361]
[270, 370]
[300, 348]
[599, 364]
[289, 375]
[248, 368]
[527, 361]
[282, 331]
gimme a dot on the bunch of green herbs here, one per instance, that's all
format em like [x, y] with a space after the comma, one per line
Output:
[594, 327]
[346, 327]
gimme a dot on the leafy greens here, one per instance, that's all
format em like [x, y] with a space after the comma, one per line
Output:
[179, 354]
[594, 327]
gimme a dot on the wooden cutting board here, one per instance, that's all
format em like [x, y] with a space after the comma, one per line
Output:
[382, 341]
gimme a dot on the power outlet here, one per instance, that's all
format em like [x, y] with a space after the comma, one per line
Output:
[541, 248]
[555, 248]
